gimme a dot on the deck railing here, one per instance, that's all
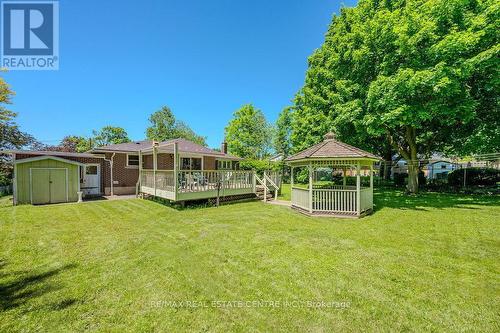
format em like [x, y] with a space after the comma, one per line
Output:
[201, 181]
[194, 181]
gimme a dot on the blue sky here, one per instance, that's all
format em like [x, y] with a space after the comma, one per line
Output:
[122, 60]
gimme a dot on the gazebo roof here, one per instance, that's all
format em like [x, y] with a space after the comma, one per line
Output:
[331, 148]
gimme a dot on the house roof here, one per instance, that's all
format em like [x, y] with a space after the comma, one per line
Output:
[50, 153]
[332, 148]
[47, 157]
[184, 146]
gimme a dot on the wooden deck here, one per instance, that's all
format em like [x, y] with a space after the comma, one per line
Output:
[196, 185]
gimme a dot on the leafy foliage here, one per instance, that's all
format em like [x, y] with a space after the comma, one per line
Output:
[420, 74]
[281, 141]
[474, 176]
[164, 126]
[73, 144]
[11, 137]
[109, 135]
[248, 134]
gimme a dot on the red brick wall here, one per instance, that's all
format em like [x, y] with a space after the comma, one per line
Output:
[165, 161]
[125, 176]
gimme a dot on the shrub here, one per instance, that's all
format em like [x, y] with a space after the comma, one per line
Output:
[474, 176]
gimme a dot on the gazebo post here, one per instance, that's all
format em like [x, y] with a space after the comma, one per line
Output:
[310, 187]
[358, 189]
[371, 177]
[291, 178]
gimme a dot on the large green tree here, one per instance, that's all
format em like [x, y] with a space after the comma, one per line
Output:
[248, 134]
[11, 137]
[281, 139]
[165, 126]
[72, 143]
[411, 76]
[109, 135]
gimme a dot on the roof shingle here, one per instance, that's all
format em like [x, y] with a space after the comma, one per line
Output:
[331, 148]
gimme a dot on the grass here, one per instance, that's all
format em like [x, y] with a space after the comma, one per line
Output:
[426, 263]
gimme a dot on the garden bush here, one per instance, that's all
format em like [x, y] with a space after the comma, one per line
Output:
[474, 176]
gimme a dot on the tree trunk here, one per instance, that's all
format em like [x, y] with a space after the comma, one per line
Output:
[413, 169]
[413, 163]
[409, 152]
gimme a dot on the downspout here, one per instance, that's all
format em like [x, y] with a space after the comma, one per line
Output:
[111, 172]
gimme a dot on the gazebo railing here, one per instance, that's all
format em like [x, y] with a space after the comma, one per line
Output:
[338, 201]
[300, 197]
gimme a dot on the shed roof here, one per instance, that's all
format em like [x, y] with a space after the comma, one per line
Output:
[330, 147]
[46, 157]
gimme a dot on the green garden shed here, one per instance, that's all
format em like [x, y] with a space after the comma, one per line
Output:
[45, 180]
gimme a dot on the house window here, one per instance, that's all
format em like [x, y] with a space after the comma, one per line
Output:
[443, 166]
[223, 165]
[132, 160]
[190, 163]
[91, 170]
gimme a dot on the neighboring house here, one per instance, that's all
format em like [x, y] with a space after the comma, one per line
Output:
[276, 158]
[51, 177]
[439, 169]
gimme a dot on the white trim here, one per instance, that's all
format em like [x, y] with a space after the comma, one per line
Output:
[132, 166]
[41, 158]
[14, 185]
[98, 174]
[50, 199]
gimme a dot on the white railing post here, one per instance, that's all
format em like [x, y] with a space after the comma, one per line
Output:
[254, 182]
[358, 189]
[310, 188]
[154, 167]
[176, 170]
[139, 181]
[265, 187]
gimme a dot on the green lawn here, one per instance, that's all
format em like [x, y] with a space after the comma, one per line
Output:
[429, 263]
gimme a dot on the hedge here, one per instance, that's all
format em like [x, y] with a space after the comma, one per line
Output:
[474, 176]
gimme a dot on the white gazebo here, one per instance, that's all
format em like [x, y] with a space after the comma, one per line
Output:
[334, 171]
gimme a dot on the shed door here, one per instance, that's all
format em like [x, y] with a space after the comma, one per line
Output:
[40, 186]
[58, 185]
[48, 186]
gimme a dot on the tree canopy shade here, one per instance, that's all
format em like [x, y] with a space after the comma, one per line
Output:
[248, 134]
[164, 126]
[421, 75]
[109, 135]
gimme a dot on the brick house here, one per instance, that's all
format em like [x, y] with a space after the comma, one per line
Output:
[115, 169]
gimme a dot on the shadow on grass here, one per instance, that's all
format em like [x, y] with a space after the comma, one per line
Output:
[27, 285]
[399, 200]
[198, 204]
